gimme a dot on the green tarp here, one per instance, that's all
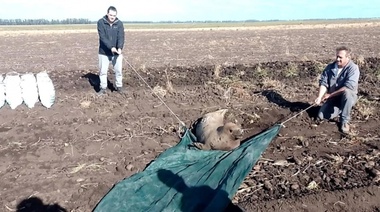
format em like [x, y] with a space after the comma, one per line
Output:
[184, 178]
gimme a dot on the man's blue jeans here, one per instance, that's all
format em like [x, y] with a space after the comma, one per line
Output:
[339, 105]
[104, 62]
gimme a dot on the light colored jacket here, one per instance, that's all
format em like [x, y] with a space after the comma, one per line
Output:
[348, 77]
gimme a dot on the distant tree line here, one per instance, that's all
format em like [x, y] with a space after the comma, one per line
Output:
[44, 21]
[247, 21]
[87, 21]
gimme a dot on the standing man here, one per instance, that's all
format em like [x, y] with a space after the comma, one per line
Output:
[111, 42]
[338, 89]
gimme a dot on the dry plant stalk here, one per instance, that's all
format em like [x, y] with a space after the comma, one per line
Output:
[160, 91]
[85, 104]
[366, 108]
[85, 166]
[337, 158]
[268, 83]
[291, 70]
[360, 60]
[169, 84]
[217, 71]
[261, 72]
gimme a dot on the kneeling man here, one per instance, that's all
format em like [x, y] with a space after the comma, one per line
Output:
[338, 89]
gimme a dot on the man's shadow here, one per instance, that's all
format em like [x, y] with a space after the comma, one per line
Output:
[276, 98]
[94, 81]
[35, 204]
[194, 198]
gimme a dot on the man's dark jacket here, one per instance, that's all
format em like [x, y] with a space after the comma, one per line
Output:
[110, 35]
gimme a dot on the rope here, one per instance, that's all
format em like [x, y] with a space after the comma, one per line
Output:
[181, 122]
[134, 70]
[298, 114]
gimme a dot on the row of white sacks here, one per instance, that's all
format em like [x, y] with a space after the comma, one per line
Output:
[27, 88]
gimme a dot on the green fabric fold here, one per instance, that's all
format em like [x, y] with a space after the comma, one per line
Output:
[184, 178]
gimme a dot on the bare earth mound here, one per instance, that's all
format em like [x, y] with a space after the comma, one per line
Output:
[69, 156]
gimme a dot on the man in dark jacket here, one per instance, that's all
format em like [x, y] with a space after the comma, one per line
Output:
[111, 43]
[338, 89]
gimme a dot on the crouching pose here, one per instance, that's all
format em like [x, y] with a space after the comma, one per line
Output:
[338, 89]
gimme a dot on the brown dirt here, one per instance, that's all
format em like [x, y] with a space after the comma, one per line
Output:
[72, 154]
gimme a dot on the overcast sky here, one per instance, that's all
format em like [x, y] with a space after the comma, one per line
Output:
[190, 10]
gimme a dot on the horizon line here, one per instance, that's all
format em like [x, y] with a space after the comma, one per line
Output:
[177, 21]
